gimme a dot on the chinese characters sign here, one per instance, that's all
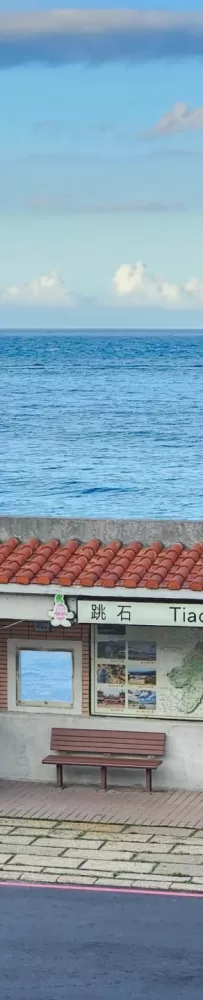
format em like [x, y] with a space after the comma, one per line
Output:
[99, 612]
[120, 612]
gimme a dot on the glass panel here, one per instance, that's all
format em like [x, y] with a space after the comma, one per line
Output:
[45, 676]
[125, 672]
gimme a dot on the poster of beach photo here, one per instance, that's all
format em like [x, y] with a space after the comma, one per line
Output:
[141, 677]
[142, 699]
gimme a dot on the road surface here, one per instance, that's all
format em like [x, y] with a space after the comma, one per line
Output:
[58, 944]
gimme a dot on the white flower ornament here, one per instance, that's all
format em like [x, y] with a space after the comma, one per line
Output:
[59, 614]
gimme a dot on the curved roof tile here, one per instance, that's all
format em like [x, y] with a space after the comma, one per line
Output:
[91, 564]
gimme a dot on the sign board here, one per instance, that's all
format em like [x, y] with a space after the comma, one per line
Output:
[42, 626]
[98, 612]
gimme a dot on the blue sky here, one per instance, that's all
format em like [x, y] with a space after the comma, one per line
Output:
[93, 182]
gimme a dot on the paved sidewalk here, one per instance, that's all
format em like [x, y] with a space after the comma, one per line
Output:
[86, 803]
[40, 851]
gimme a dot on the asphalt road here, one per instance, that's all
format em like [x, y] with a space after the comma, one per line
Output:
[66, 945]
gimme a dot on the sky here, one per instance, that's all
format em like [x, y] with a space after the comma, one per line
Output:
[101, 159]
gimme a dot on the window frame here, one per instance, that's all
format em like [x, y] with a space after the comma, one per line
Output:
[38, 702]
[14, 648]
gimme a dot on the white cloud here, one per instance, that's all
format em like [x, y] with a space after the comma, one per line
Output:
[48, 289]
[143, 288]
[181, 118]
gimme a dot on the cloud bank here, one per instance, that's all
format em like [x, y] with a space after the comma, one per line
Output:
[44, 205]
[141, 287]
[181, 118]
[56, 37]
[137, 286]
[49, 289]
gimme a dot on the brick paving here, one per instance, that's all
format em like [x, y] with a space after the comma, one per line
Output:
[87, 803]
[100, 854]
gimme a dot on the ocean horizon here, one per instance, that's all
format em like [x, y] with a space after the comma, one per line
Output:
[101, 331]
[101, 423]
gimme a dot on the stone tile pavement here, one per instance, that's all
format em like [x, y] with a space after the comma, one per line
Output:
[80, 835]
[101, 854]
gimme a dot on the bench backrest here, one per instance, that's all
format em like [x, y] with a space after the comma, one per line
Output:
[108, 742]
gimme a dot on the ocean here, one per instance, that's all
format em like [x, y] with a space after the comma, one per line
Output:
[101, 425]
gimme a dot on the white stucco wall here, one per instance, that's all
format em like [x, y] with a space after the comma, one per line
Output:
[24, 740]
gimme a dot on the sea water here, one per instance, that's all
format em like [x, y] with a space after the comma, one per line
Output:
[101, 425]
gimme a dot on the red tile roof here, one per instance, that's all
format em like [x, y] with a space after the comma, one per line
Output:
[93, 564]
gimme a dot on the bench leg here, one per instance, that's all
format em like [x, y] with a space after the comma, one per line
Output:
[103, 779]
[59, 776]
[148, 779]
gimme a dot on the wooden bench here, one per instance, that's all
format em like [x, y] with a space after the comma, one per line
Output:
[103, 748]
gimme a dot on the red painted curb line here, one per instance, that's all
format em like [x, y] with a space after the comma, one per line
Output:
[103, 888]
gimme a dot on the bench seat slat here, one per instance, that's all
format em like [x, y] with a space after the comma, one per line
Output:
[81, 759]
[106, 744]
